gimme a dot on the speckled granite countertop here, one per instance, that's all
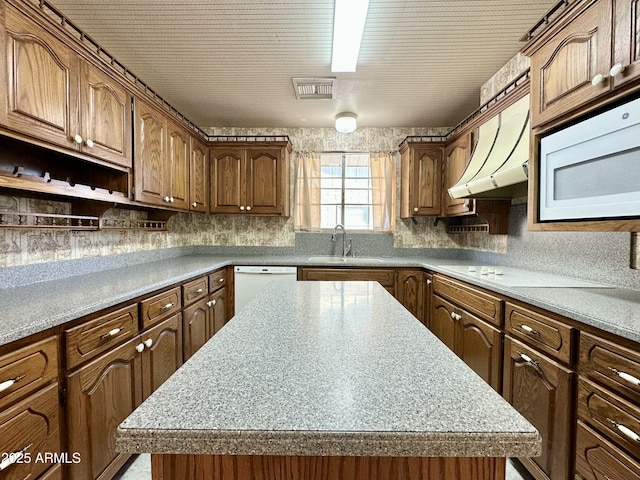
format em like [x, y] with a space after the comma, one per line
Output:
[326, 368]
[34, 308]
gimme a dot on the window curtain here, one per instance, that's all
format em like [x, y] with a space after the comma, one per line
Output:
[383, 183]
[307, 192]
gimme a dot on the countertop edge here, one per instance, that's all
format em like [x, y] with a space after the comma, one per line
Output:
[302, 443]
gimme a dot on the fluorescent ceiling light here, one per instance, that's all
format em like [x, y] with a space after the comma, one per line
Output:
[348, 24]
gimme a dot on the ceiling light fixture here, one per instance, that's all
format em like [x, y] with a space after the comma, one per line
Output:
[348, 24]
[346, 122]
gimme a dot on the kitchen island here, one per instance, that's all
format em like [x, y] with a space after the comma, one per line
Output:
[326, 380]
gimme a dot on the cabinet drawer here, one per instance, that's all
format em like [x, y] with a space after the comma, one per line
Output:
[540, 331]
[612, 416]
[100, 334]
[384, 276]
[27, 369]
[195, 290]
[479, 302]
[32, 427]
[160, 306]
[616, 367]
[217, 280]
[597, 458]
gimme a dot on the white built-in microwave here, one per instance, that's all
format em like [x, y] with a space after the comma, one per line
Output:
[591, 170]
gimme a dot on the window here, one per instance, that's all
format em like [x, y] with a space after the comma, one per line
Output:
[346, 195]
[354, 189]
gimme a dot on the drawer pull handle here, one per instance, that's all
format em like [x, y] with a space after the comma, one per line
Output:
[10, 383]
[14, 457]
[167, 306]
[625, 376]
[528, 329]
[221, 280]
[200, 290]
[528, 359]
[148, 342]
[626, 431]
[111, 333]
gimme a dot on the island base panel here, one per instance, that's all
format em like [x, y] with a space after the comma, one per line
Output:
[246, 467]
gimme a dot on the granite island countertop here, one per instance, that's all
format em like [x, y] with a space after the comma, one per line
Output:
[31, 309]
[327, 368]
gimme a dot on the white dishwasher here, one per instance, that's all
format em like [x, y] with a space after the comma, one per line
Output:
[249, 280]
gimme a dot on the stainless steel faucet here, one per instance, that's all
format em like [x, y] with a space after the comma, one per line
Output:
[345, 248]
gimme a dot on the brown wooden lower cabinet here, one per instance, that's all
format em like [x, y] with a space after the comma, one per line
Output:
[218, 308]
[100, 395]
[243, 467]
[30, 427]
[543, 392]
[410, 290]
[475, 341]
[195, 327]
[162, 355]
[384, 276]
[598, 458]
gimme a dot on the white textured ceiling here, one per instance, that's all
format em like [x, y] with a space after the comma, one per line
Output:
[230, 62]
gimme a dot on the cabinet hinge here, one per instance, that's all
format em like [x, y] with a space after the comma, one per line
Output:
[62, 394]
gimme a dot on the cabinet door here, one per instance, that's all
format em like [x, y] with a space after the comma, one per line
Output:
[198, 177]
[218, 305]
[263, 185]
[41, 97]
[162, 353]
[444, 323]
[100, 395]
[177, 167]
[563, 68]
[480, 346]
[226, 171]
[626, 39]
[105, 117]
[425, 182]
[195, 328]
[410, 290]
[30, 427]
[543, 392]
[457, 155]
[149, 155]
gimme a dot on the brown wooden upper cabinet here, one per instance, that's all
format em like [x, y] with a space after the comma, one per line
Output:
[250, 178]
[198, 176]
[421, 182]
[592, 50]
[52, 95]
[456, 157]
[161, 153]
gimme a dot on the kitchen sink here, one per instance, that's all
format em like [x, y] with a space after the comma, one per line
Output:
[345, 260]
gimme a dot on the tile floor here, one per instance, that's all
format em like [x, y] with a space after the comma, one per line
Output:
[139, 468]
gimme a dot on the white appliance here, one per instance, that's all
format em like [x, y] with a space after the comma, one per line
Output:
[249, 280]
[591, 170]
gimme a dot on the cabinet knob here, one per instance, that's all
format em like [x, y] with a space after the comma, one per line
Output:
[598, 80]
[77, 139]
[209, 303]
[617, 69]
[148, 342]
[429, 282]
[89, 143]
[242, 208]
[248, 208]
[194, 204]
[140, 347]
[170, 199]
[455, 316]
[10, 383]
[166, 198]
[416, 209]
